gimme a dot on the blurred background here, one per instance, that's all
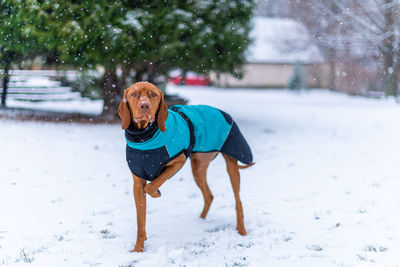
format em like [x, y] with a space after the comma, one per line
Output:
[82, 54]
[312, 85]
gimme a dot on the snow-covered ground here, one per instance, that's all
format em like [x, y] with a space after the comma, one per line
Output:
[325, 190]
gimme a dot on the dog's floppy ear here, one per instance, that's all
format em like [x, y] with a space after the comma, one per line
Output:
[162, 114]
[124, 112]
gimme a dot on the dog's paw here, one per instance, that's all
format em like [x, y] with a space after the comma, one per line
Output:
[156, 194]
[241, 230]
[150, 191]
[139, 247]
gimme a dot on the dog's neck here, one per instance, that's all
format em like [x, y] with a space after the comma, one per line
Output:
[140, 135]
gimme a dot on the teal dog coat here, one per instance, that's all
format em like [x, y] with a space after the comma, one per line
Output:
[189, 129]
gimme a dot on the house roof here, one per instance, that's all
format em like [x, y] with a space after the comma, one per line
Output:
[279, 40]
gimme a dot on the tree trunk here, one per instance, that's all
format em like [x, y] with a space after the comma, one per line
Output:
[111, 94]
[332, 68]
[183, 77]
[151, 73]
[389, 54]
[390, 75]
[124, 76]
[395, 75]
[6, 79]
[139, 76]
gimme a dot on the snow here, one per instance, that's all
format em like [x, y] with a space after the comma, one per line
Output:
[44, 81]
[279, 40]
[82, 105]
[324, 190]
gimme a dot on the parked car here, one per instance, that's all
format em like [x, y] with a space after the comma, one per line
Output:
[192, 78]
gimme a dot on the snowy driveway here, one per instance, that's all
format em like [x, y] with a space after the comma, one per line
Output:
[325, 190]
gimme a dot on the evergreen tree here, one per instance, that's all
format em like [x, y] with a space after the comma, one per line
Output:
[221, 38]
[145, 39]
[296, 82]
[86, 34]
[17, 40]
[158, 31]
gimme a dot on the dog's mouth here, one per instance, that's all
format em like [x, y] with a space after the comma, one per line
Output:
[144, 117]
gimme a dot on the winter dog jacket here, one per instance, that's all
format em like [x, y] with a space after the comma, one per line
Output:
[189, 129]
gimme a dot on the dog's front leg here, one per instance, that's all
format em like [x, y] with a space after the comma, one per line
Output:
[140, 201]
[171, 168]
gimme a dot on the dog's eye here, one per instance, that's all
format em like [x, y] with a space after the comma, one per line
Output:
[152, 94]
[134, 94]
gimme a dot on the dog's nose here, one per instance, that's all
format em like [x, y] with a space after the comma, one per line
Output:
[144, 106]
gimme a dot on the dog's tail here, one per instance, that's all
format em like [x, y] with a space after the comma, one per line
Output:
[246, 166]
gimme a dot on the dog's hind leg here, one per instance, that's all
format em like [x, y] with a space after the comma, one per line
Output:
[200, 163]
[233, 171]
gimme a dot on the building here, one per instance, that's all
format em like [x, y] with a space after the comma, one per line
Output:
[279, 46]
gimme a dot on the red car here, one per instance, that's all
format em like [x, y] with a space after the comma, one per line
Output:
[191, 79]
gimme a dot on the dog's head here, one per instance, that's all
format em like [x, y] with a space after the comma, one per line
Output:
[142, 104]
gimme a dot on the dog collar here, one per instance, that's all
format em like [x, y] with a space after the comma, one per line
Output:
[139, 136]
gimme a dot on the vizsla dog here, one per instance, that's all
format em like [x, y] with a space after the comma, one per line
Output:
[160, 140]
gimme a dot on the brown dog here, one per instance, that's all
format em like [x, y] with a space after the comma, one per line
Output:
[143, 108]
